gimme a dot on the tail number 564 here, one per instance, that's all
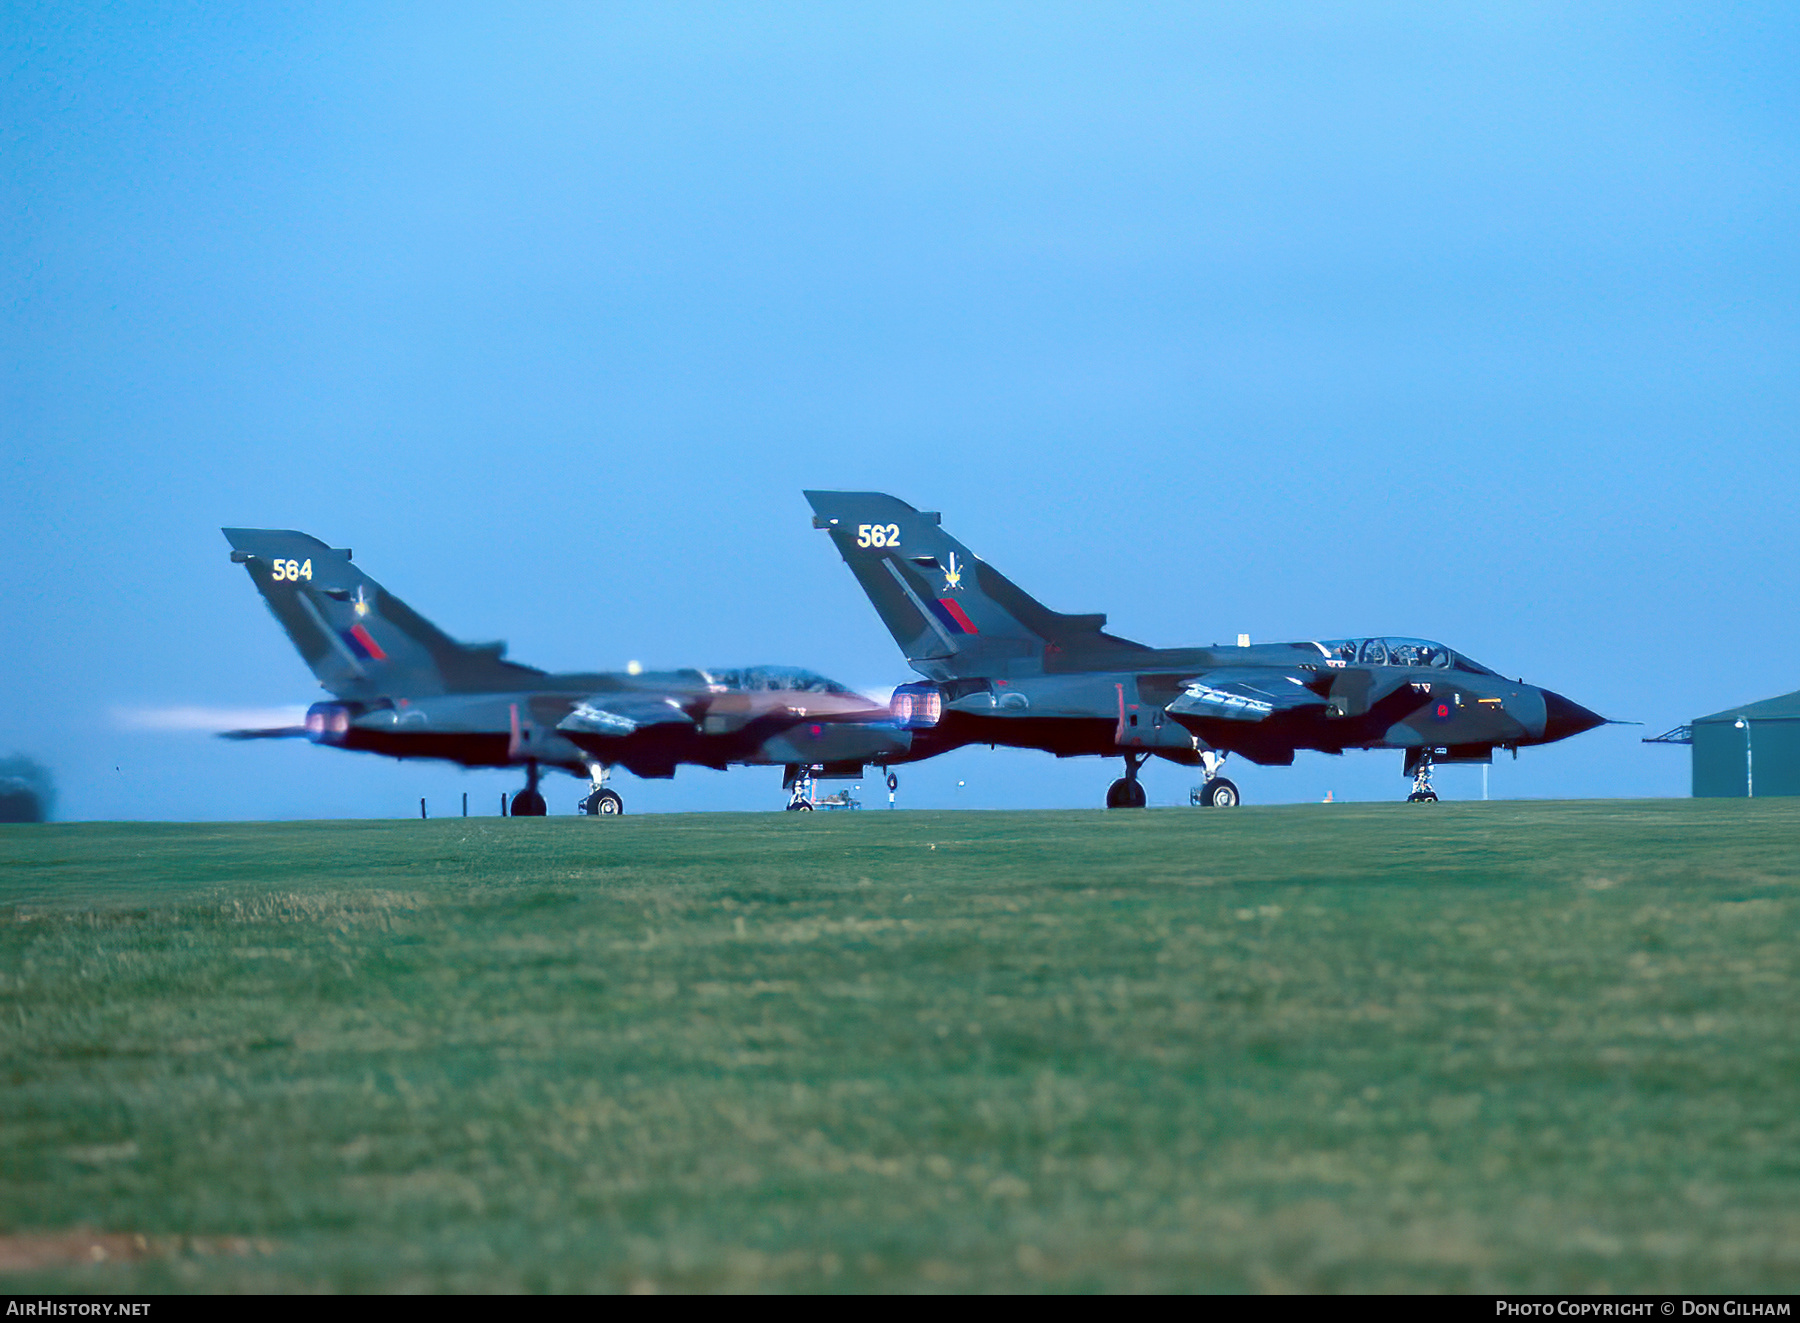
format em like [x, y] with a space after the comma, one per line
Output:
[290, 569]
[878, 535]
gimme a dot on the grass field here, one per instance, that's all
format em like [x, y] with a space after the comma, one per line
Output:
[1473, 1047]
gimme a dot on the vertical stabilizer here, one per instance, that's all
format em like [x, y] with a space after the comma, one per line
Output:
[359, 639]
[952, 613]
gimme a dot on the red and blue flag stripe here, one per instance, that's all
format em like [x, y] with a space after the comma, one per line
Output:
[362, 643]
[956, 619]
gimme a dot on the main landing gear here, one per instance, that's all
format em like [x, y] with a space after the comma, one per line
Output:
[601, 802]
[1420, 767]
[1215, 791]
[1128, 791]
[528, 803]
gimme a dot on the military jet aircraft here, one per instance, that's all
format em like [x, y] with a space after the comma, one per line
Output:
[404, 688]
[1002, 668]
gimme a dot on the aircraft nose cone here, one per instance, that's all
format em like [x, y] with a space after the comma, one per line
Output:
[1563, 718]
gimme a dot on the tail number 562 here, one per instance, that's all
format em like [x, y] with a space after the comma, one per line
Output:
[290, 569]
[878, 535]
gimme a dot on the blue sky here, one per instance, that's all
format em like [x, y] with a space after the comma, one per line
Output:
[1300, 321]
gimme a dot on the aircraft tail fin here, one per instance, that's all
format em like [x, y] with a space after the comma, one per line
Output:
[952, 613]
[359, 639]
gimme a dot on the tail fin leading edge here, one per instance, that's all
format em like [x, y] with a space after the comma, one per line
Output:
[359, 639]
[952, 613]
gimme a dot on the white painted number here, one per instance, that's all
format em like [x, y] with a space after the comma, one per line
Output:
[291, 569]
[878, 535]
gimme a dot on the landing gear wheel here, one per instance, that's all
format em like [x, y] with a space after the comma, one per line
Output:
[799, 806]
[1422, 797]
[528, 804]
[1126, 792]
[1219, 793]
[603, 803]
[893, 783]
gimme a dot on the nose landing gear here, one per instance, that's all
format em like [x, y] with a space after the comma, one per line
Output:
[802, 798]
[1419, 764]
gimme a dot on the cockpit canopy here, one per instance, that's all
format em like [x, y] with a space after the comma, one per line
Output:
[772, 679]
[1399, 652]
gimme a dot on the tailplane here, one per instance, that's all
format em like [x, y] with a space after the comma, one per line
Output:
[951, 613]
[359, 639]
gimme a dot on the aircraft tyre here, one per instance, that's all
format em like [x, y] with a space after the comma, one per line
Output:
[1422, 797]
[1126, 792]
[799, 806]
[528, 804]
[603, 803]
[1220, 793]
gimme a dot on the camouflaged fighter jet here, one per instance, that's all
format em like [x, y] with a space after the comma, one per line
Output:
[1002, 668]
[404, 688]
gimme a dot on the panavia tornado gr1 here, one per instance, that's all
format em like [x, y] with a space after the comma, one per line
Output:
[1002, 668]
[402, 687]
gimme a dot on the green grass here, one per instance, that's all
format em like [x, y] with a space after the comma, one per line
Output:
[1476, 1047]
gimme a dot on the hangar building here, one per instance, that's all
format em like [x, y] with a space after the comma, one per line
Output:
[1753, 750]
